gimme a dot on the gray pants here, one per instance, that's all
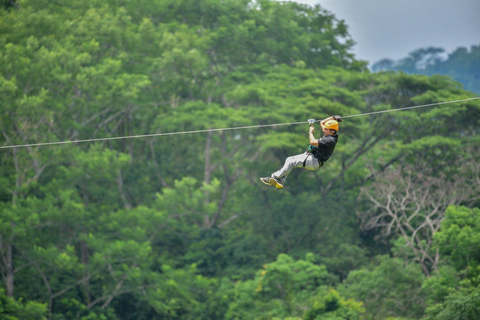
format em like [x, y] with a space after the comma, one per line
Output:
[311, 163]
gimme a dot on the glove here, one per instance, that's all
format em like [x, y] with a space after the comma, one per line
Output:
[338, 118]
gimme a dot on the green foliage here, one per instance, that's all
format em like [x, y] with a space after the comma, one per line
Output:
[463, 304]
[11, 309]
[178, 226]
[335, 307]
[73, 309]
[278, 290]
[285, 288]
[390, 288]
[344, 259]
[459, 237]
[440, 284]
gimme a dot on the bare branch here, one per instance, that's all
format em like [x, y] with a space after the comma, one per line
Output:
[411, 202]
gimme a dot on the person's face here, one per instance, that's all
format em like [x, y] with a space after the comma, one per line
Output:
[326, 131]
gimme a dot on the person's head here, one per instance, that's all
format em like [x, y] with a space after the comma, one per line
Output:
[330, 127]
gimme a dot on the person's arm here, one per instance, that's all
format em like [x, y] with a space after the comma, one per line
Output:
[311, 138]
[325, 120]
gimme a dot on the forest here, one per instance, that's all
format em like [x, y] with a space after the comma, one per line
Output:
[179, 226]
[462, 64]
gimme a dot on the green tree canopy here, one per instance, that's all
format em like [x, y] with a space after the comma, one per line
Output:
[178, 226]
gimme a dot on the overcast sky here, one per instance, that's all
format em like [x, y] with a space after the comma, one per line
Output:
[394, 28]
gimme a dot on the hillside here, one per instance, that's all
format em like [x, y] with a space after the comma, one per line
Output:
[463, 65]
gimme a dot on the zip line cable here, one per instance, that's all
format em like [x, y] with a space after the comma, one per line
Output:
[408, 108]
[223, 129]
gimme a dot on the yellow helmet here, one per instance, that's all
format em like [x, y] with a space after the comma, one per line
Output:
[331, 124]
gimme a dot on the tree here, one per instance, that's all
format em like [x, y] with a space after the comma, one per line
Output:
[420, 59]
[12, 309]
[391, 288]
[410, 203]
[287, 288]
[9, 4]
[459, 237]
[383, 65]
[460, 64]
[169, 227]
[463, 304]
[454, 291]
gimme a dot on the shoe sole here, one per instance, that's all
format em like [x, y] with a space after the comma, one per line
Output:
[274, 183]
[267, 183]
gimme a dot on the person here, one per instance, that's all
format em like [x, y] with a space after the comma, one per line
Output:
[318, 153]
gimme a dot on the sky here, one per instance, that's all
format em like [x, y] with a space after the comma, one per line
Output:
[394, 28]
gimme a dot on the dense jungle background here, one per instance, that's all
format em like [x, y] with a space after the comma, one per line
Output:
[180, 227]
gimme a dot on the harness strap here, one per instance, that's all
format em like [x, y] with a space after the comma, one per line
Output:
[305, 160]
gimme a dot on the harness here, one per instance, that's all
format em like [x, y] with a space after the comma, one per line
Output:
[309, 151]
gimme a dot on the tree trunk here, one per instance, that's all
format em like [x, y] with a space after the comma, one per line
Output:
[86, 284]
[8, 268]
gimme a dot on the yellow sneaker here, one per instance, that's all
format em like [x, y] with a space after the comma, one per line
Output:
[278, 183]
[267, 181]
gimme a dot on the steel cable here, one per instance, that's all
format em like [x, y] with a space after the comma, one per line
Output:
[223, 129]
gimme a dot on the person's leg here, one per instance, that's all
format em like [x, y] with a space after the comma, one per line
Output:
[292, 163]
[304, 160]
[312, 163]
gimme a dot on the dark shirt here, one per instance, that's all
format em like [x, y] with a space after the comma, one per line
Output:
[325, 148]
